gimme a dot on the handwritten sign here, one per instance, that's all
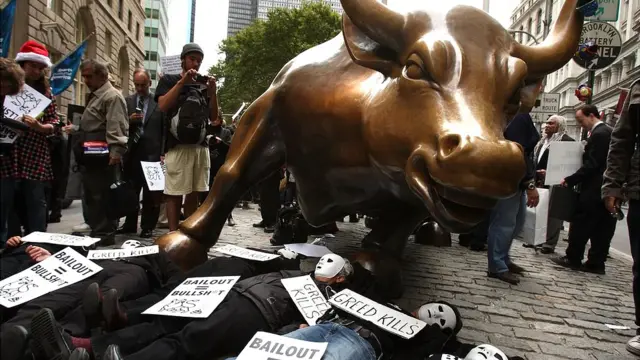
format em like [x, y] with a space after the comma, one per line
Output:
[7, 134]
[62, 269]
[154, 175]
[307, 297]
[122, 253]
[196, 297]
[171, 64]
[385, 318]
[243, 253]
[310, 250]
[565, 158]
[59, 239]
[27, 102]
[265, 346]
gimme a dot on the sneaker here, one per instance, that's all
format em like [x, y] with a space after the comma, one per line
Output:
[633, 345]
[81, 228]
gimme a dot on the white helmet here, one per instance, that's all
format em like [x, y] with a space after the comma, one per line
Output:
[131, 244]
[486, 352]
[330, 265]
[438, 313]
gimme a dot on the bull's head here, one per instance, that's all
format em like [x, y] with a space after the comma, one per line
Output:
[453, 81]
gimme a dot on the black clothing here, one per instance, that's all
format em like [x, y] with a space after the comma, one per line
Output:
[270, 198]
[15, 260]
[218, 150]
[96, 181]
[522, 131]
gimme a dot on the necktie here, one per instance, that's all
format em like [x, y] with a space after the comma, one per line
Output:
[141, 104]
[588, 134]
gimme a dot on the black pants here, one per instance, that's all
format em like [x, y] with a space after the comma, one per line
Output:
[270, 198]
[150, 201]
[60, 167]
[96, 181]
[290, 193]
[227, 330]
[591, 222]
[633, 222]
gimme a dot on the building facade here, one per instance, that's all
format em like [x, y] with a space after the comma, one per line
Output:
[264, 6]
[191, 21]
[530, 16]
[117, 27]
[156, 26]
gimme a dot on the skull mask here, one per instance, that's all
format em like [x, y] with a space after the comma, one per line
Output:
[329, 265]
[438, 313]
[129, 244]
[443, 357]
[486, 352]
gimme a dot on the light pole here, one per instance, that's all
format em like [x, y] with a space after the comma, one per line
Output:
[485, 5]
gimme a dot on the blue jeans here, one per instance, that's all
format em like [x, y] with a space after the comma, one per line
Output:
[344, 343]
[507, 220]
[34, 200]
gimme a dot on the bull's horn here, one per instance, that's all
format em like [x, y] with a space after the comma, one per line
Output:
[558, 48]
[377, 21]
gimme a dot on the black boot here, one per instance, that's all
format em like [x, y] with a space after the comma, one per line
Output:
[49, 341]
[14, 343]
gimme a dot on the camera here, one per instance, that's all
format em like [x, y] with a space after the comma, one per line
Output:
[202, 79]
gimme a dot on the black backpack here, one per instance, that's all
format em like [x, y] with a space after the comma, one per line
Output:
[189, 124]
[291, 227]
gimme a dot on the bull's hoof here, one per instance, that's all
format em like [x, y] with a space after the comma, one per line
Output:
[387, 272]
[430, 233]
[183, 251]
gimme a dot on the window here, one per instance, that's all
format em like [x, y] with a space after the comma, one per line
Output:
[150, 31]
[153, 74]
[520, 34]
[110, 3]
[152, 13]
[137, 31]
[151, 56]
[120, 9]
[539, 22]
[129, 20]
[529, 24]
[56, 6]
[108, 44]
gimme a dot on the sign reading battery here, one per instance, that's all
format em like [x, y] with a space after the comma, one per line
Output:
[608, 41]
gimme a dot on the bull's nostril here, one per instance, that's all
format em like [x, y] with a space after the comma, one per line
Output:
[449, 143]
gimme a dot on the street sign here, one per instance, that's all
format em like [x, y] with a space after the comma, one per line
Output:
[609, 43]
[540, 117]
[607, 11]
[547, 103]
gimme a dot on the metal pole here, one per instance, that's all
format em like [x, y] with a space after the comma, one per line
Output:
[485, 5]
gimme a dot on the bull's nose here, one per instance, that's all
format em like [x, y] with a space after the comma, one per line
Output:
[449, 145]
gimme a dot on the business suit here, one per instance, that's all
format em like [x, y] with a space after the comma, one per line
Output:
[145, 144]
[592, 221]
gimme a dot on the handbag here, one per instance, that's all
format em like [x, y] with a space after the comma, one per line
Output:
[563, 203]
[122, 199]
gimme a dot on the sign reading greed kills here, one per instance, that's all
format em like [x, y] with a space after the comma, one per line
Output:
[385, 318]
[307, 297]
[122, 253]
[59, 239]
[265, 346]
[196, 297]
[64, 268]
[243, 253]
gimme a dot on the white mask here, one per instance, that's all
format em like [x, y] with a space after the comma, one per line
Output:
[440, 314]
[129, 244]
[486, 352]
[443, 357]
[329, 265]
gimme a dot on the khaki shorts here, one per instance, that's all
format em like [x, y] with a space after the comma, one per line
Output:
[187, 170]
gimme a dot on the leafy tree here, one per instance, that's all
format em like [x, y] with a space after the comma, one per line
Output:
[255, 55]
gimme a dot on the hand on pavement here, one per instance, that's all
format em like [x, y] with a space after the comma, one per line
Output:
[37, 253]
[288, 254]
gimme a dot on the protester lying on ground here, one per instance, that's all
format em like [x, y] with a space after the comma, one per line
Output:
[480, 352]
[260, 303]
[18, 256]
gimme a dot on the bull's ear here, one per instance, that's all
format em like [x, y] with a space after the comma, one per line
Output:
[528, 95]
[366, 52]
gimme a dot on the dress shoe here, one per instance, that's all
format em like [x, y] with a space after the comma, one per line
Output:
[516, 269]
[126, 230]
[547, 250]
[246, 206]
[259, 225]
[477, 247]
[14, 342]
[92, 306]
[49, 340]
[54, 219]
[113, 316]
[79, 354]
[506, 276]
[594, 269]
[146, 234]
[269, 229]
[565, 262]
[112, 353]
[231, 222]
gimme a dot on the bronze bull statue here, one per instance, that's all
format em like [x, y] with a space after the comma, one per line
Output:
[400, 117]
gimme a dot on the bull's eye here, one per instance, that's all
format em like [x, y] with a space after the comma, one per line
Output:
[413, 71]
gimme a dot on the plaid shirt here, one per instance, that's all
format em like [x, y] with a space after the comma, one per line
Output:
[30, 157]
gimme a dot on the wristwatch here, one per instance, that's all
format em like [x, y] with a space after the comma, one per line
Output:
[531, 185]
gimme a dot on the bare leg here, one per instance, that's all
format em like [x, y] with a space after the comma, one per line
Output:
[173, 207]
[190, 203]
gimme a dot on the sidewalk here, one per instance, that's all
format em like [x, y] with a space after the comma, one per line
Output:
[552, 314]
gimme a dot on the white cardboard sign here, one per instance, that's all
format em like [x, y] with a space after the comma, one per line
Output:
[310, 250]
[196, 297]
[8, 135]
[171, 64]
[565, 158]
[59, 239]
[385, 318]
[307, 297]
[243, 253]
[63, 268]
[153, 174]
[27, 102]
[122, 253]
[265, 346]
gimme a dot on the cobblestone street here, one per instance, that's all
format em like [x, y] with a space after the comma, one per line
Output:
[552, 314]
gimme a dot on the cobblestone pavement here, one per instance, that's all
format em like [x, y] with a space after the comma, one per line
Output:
[552, 314]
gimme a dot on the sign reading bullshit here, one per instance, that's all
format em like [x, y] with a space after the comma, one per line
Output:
[385, 318]
[265, 346]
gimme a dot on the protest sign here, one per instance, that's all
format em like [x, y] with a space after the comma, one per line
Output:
[8, 135]
[122, 253]
[307, 297]
[153, 174]
[27, 102]
[385, 318]
[59, 239]
[265, 346]
[64, 268]
[565, 158]
[310, 250]
[171, 64]
[243, 253]
[196, 297]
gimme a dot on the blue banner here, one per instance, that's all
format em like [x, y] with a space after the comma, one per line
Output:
[63, 73]
[6, 24]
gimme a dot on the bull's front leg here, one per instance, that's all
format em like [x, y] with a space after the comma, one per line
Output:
[256, 152]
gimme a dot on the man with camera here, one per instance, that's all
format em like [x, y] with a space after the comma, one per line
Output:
[188, 100]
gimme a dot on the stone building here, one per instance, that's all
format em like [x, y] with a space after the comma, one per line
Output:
[62, 24]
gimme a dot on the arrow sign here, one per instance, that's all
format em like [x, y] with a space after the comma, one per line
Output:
[608, 41]
[593, 63]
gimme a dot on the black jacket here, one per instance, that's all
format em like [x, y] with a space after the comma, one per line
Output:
[522, 131]
[594, 163]
[147, 147]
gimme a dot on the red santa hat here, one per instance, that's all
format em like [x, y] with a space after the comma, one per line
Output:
[34, 51]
